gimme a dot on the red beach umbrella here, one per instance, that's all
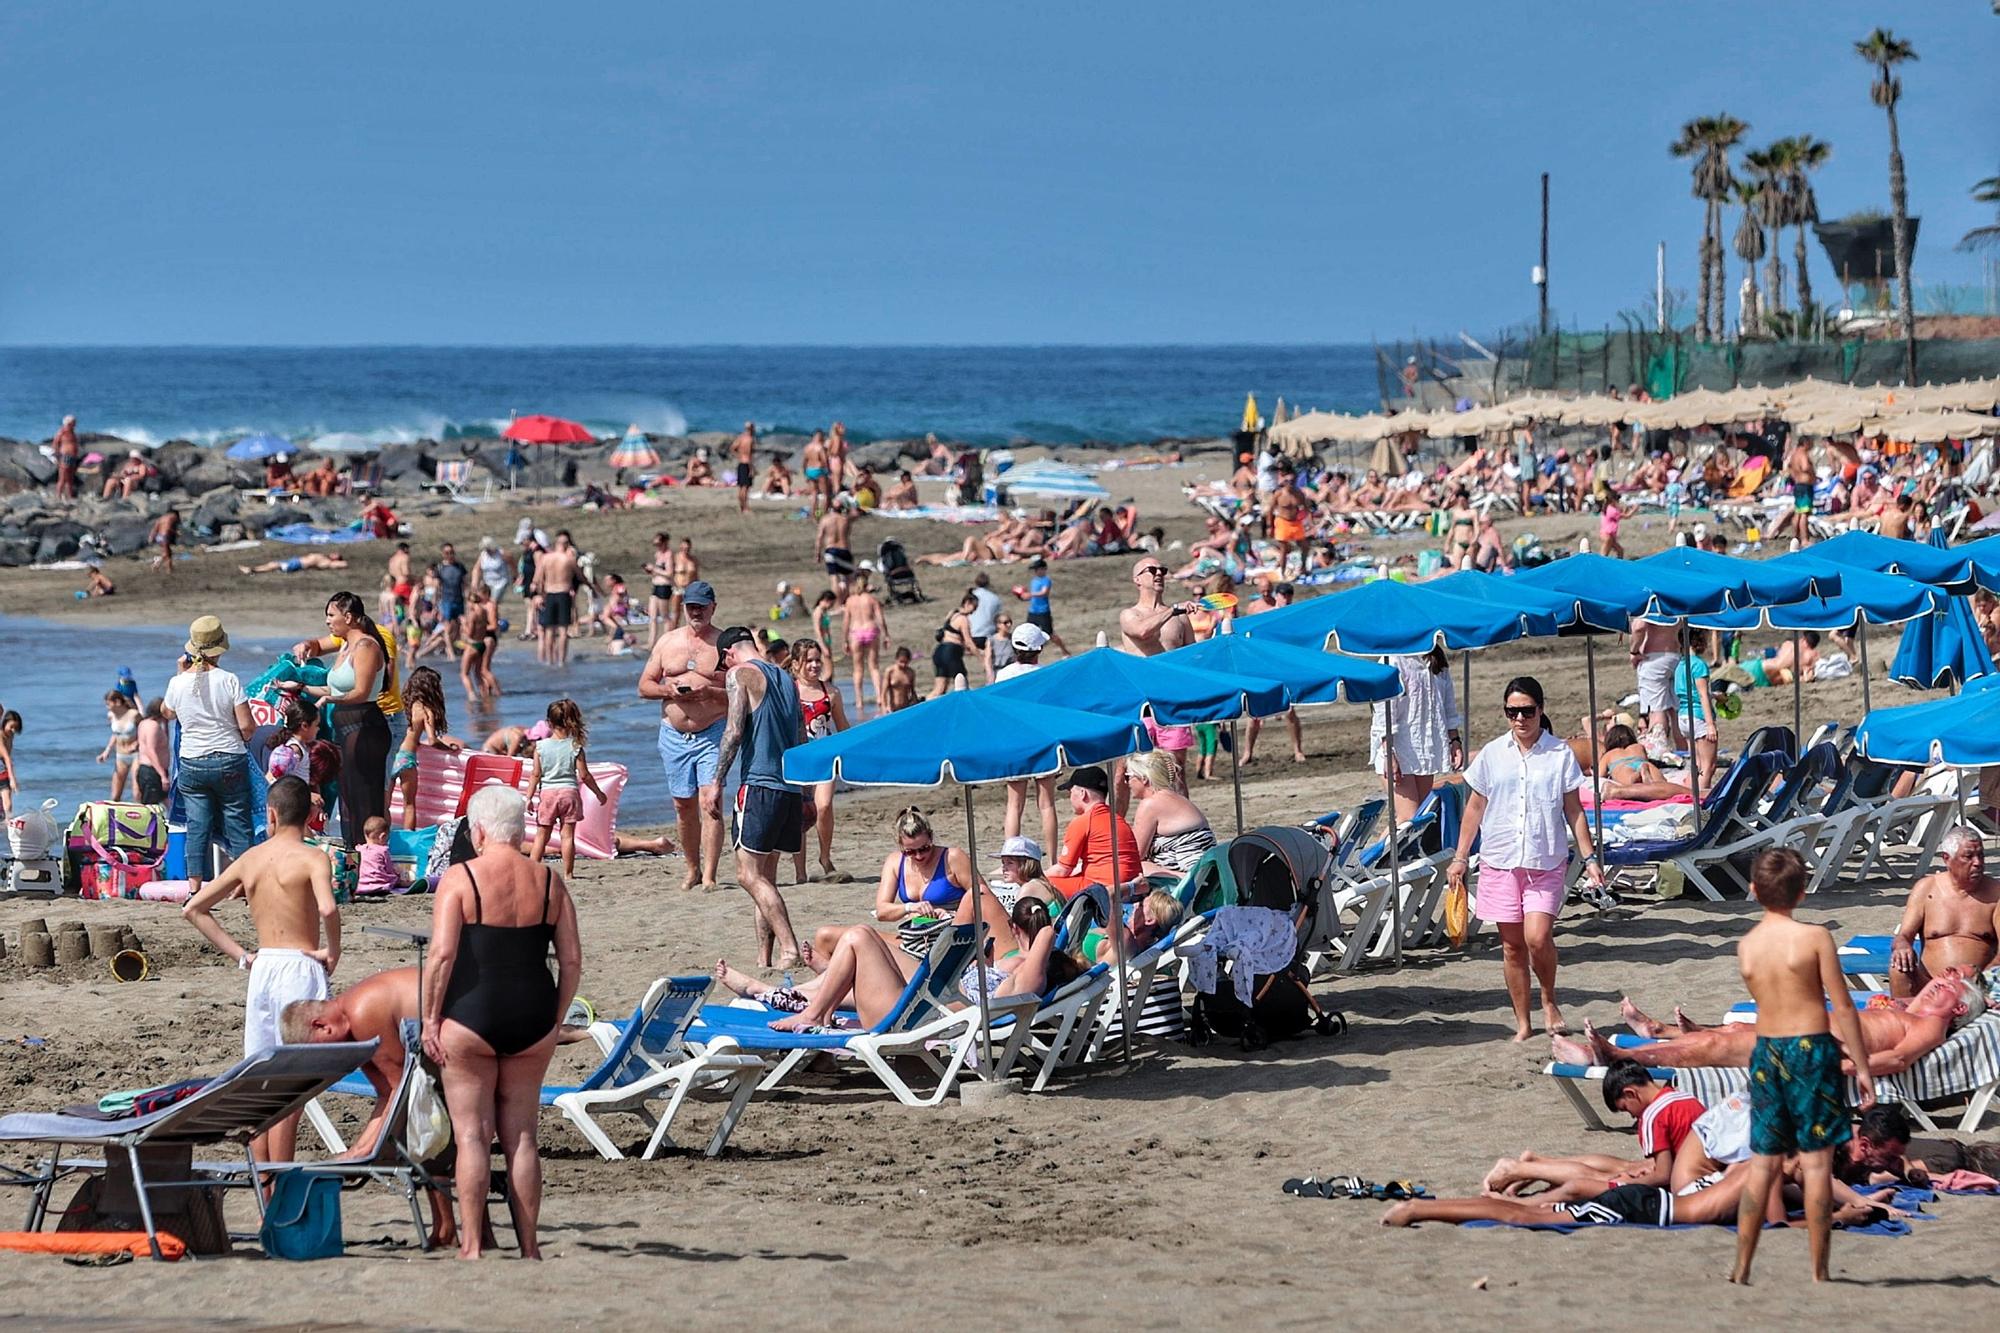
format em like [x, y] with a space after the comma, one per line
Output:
[547, 430]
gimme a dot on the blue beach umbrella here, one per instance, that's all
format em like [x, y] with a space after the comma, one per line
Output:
[1864, 596]
[967, 737]
[1571, 610]
[1962, 730]
[1934, 563]
[1944, 647]
[1308, 676]
[257, 448]
[1768, 582]
[1384, 618]
[1129, 687]
[1641, 589]
[1047, 477]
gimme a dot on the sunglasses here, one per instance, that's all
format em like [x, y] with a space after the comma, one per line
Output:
[1151, 570]
[1524, 711]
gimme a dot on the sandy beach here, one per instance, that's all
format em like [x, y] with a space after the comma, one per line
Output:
[1142, 1196]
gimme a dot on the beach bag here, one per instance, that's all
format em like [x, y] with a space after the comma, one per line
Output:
[916, 934]
[345, 865]
[427, 1131]
[302, 1217]
[122, 832]
[1457, 914]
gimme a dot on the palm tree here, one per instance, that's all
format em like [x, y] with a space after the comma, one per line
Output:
[1798, 157]
[1766, 196]
[1749, 246]
[1985, 192]
[1884, 50]
[1708, 140]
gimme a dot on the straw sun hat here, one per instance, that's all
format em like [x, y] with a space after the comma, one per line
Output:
[207, 638]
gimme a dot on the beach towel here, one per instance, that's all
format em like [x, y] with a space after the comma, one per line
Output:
[1965, 1182]
[89, 1242]
[1908, 1198]
[306, 534]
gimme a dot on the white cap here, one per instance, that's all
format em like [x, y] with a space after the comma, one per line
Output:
[1028, 638]
[1020, 846]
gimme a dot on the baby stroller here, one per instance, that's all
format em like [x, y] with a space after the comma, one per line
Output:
[1272, 869]
[898, 573]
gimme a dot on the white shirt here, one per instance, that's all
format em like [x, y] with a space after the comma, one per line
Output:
[1013, 669]
[205, 703]
[1523, 828]
[1425, 713]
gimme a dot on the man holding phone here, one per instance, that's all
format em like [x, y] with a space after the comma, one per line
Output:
[684, 672]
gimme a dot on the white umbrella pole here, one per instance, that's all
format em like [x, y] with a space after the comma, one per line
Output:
[1597, 755]
[979, 943]
[1395, 857]
[1236, 773]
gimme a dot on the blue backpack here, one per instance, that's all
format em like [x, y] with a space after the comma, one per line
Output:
[302, 1217]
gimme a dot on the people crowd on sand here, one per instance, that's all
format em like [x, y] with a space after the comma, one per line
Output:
[733, 700]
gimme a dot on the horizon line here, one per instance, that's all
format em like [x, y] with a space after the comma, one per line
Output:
[682, 346]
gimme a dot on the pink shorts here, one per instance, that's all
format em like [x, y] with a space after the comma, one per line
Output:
[1170, 738]
[559, 805]
[1508, 895]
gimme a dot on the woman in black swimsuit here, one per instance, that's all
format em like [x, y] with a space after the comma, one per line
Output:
[491, 1009]
[954, 641]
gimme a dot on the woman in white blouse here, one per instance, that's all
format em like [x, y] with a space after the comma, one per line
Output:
[1427, 722]
[1525, 788]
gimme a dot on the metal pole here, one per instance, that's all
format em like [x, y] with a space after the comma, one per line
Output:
[1862, 635]
[1395, 855]
[1694, 760]
[1116, 925]
[1799, 705]
[1235, 774]
[1660, 289]
[1542, 269]
[1597, 755]
[979, 942]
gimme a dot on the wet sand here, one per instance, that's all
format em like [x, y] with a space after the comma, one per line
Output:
[1143, 1196]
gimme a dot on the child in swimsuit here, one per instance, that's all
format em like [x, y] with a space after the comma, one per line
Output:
[423, 702]
[123, 747]
[10, 727]
[378, 871]
[298, 728]
[559, 765]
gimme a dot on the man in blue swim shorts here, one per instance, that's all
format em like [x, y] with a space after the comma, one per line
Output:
[684, 672]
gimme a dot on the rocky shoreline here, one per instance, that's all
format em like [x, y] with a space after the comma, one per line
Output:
[223, 500]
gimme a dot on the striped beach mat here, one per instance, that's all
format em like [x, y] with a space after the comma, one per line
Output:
[1968, 1061]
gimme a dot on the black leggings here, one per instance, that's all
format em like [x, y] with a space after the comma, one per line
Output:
[363, 734]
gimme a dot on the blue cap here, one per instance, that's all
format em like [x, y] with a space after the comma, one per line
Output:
[698, 593]
[124, 673]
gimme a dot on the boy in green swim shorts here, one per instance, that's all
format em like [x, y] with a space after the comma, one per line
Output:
[1805, 1019]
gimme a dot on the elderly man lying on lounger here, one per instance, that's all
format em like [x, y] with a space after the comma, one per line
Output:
[374, 1009]
[1898, 1033]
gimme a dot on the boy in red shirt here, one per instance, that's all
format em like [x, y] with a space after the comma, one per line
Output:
[1086, 857]
[1665, 1115]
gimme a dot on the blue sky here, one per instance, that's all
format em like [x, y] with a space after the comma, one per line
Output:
[502, 172]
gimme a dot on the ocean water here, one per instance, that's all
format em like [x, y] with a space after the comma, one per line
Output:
[59, 672]
[981, 395]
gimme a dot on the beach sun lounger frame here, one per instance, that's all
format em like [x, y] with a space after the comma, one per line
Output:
[922, 1024]
[236, 1105]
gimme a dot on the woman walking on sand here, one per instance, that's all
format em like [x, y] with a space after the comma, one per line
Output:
[823, 715]
[867, 631]
[1525, 788]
